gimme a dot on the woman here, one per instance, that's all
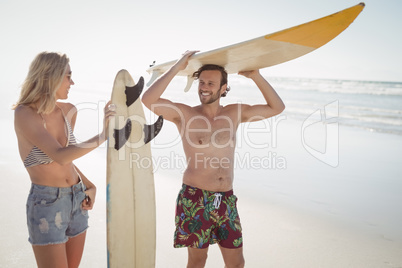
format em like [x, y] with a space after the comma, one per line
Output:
[60, 195]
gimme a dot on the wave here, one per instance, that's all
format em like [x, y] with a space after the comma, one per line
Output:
[339, 86]
[375, 106]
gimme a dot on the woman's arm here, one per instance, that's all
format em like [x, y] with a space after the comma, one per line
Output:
[90, 191]
[29, 125]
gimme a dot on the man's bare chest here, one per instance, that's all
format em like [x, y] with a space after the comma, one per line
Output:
[202, 132]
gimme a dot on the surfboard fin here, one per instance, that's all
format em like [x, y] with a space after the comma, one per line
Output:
[121, 135]
[155, 74]
[151, 131]
[190, 81]
[133, 93]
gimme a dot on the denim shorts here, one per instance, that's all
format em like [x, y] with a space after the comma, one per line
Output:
[55, 214]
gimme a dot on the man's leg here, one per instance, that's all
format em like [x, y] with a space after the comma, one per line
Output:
[233, 257]
[197, 257]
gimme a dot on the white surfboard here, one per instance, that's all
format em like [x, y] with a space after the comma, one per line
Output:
[131, 217]
[268, 50]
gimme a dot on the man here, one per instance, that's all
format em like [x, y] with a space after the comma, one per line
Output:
[206, 207]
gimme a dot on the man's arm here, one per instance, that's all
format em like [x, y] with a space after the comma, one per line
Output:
[274, 104]
[152, 97]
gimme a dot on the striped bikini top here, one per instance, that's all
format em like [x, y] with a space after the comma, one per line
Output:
[37, 157]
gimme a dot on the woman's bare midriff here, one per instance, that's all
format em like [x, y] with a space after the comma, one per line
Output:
[53, 175]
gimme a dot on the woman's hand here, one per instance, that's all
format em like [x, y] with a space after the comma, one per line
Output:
[89, 200]
[109, 111]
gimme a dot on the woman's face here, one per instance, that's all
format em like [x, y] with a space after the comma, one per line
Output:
[62, 92]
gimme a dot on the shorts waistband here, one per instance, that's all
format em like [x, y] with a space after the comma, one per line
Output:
[60, 191]
[227, 193]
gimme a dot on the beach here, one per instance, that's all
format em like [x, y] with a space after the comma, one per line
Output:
[311, 194]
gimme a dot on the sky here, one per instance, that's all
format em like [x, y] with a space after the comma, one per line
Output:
[102, 37]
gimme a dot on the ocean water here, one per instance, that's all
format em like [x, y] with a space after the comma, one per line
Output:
[374, 106]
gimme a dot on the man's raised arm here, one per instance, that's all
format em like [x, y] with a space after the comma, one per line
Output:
[152, 97]
[274, 104]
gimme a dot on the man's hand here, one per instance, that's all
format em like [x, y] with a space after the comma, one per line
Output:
[250, 74]
[182, 63]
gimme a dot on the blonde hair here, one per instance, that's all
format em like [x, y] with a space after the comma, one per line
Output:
[44, 78]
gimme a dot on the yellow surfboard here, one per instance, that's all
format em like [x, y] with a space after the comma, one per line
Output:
[268, 50]
[131, 214]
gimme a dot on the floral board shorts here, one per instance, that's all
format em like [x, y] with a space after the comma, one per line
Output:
[54, 214]
[205, 217]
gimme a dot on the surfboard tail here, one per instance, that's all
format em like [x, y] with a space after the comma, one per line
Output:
[190, 80]
[151, 131]
[133, 93]
[155, 75]
[131, 216]
[121, 135]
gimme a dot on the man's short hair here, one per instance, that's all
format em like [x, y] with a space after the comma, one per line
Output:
[214, 67]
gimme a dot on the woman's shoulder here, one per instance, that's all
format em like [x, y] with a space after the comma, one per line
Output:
[26, 118]
[69, 111]
[24, 111]
[68, 108]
